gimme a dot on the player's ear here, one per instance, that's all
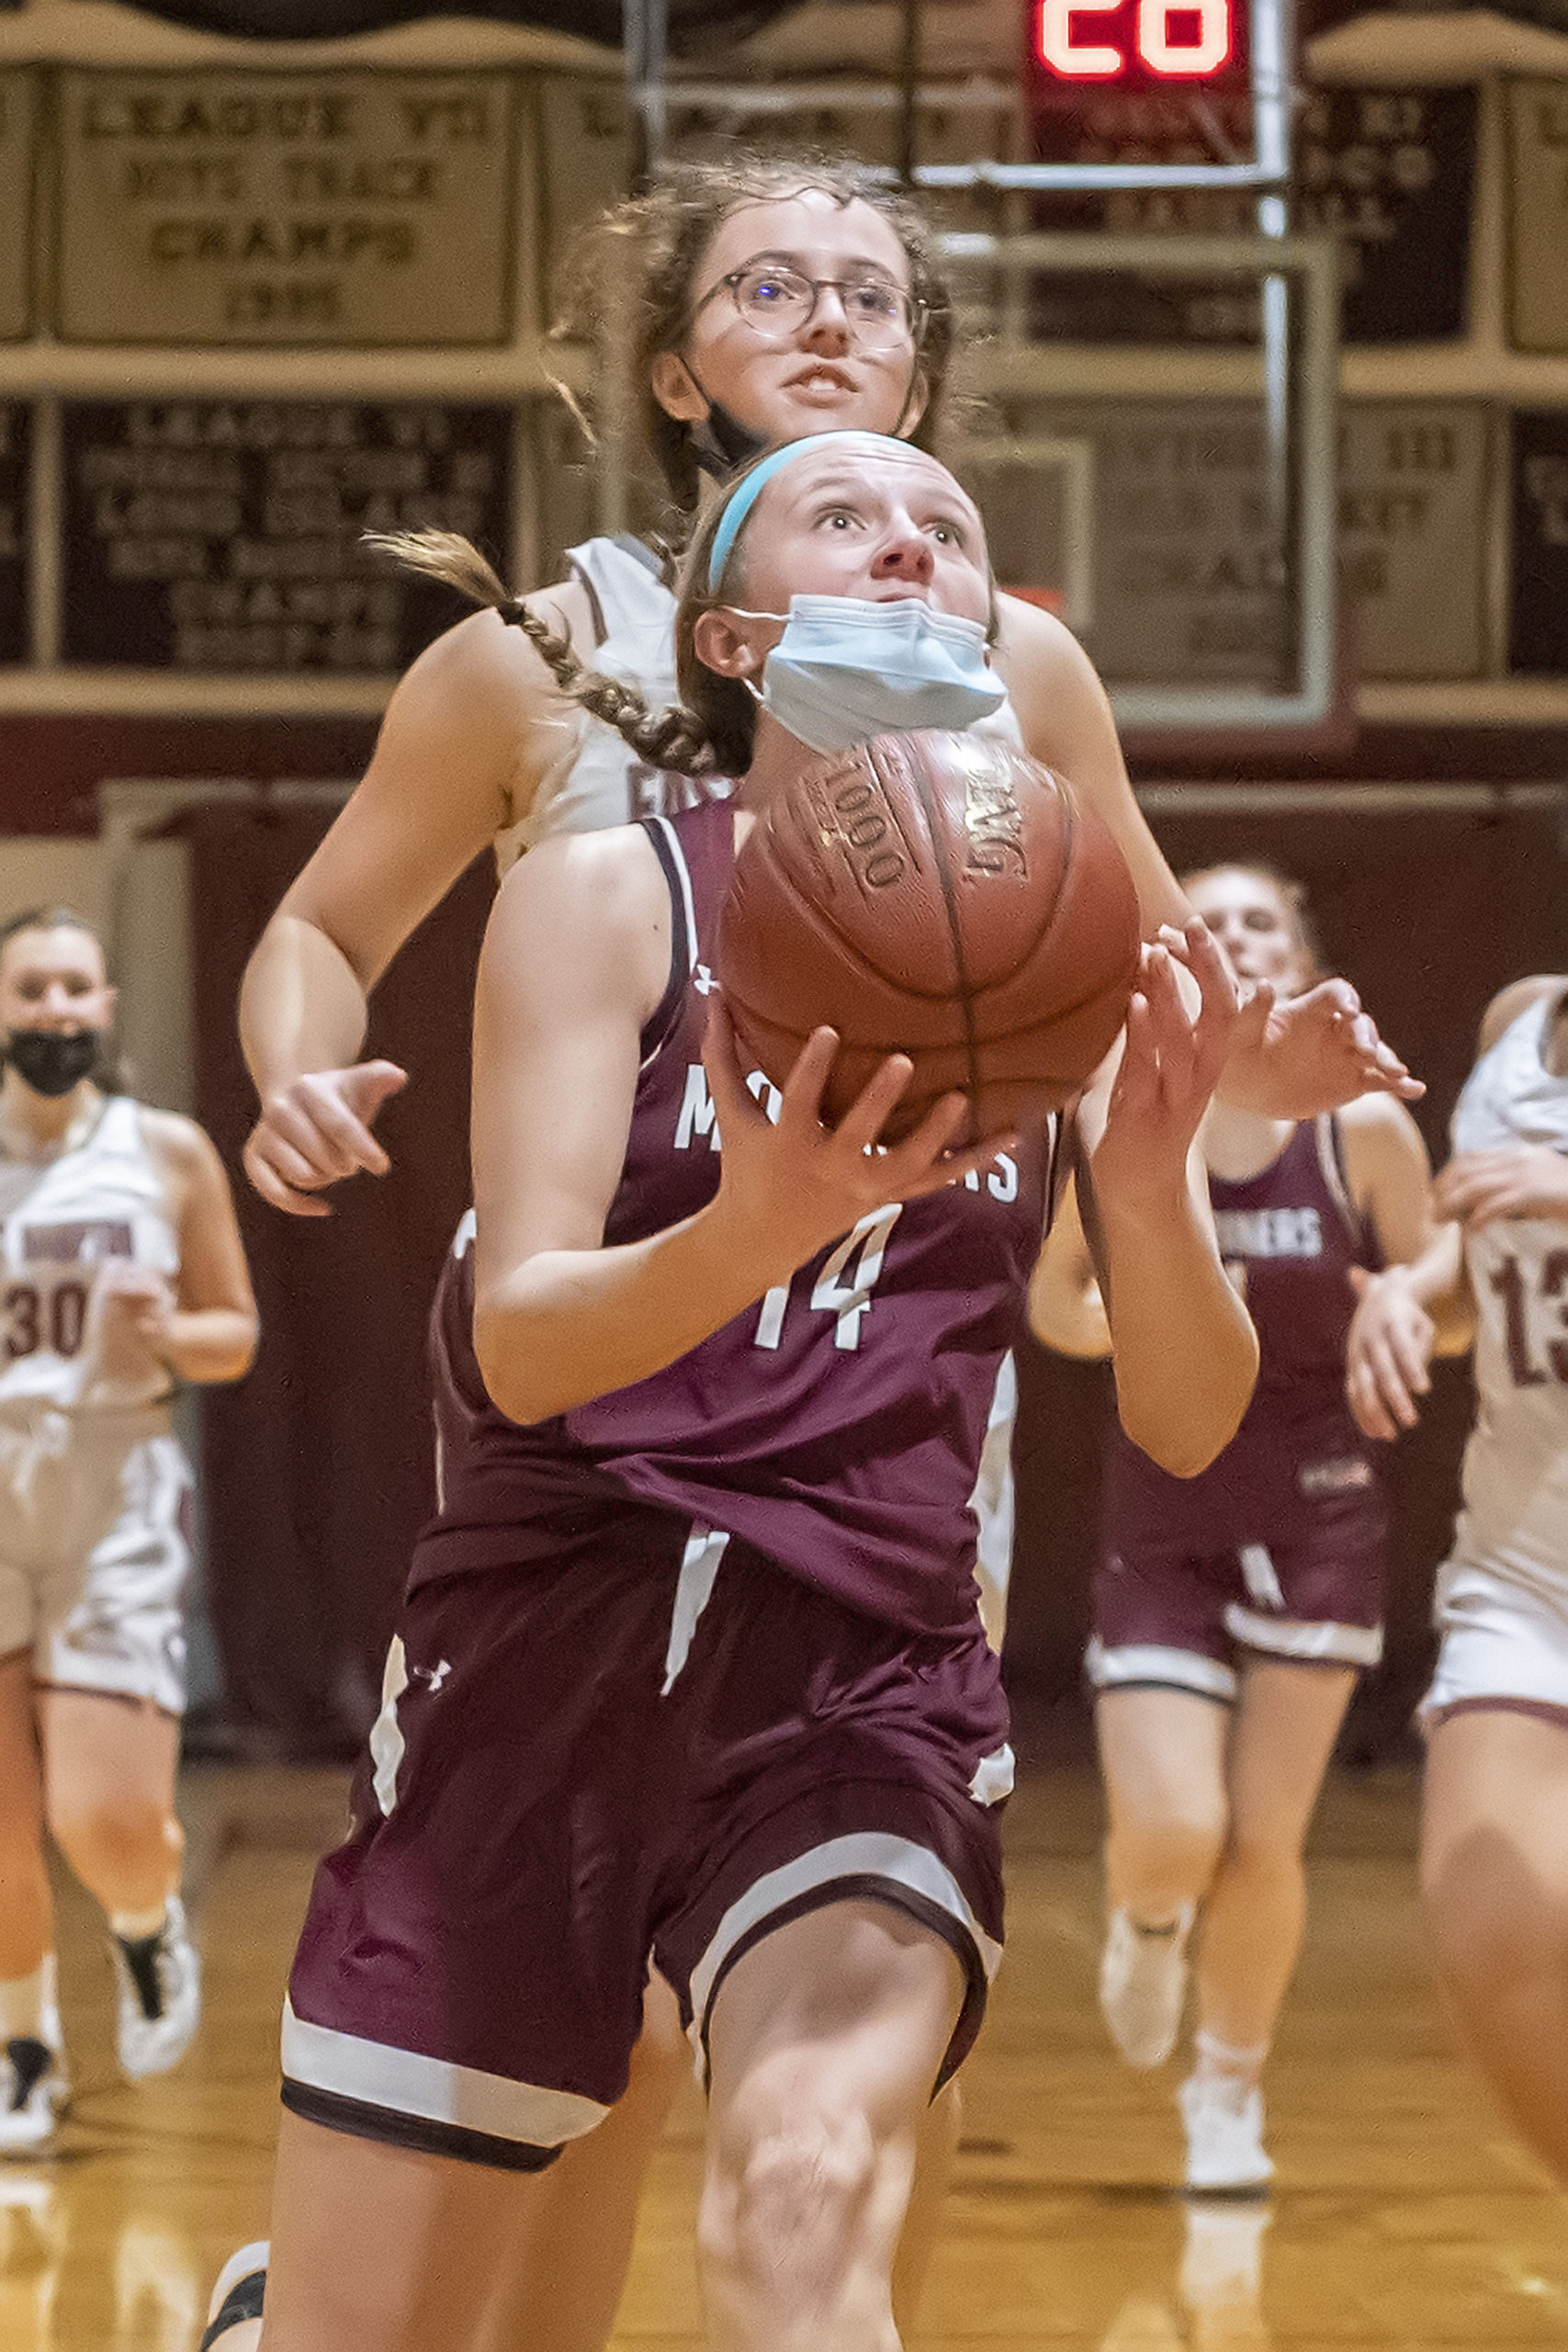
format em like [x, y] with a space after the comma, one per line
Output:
[915, 406]
[723, 643]
[674, 390]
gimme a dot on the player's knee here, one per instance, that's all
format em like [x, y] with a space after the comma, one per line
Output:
[787, 2200]
[1497, 1921]
[1264, 1854]
[1479, 1953]
[1180, 1841]
[115, 1836]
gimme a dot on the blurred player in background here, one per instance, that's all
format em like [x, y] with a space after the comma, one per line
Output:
[1494, 1836]
[1234, 1612]
[121, 1274]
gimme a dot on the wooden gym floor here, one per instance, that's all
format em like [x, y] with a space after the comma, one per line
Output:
[1405, 2215]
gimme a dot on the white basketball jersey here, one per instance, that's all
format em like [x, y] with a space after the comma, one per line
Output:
[1514, 1518]
[598, 780]
[62, 1223]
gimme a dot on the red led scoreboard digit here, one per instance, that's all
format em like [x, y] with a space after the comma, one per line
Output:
[1133, 44]
[1076, 42]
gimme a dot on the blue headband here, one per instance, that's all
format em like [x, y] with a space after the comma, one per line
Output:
[746, 492]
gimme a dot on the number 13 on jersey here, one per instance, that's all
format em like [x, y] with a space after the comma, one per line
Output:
[1510, 1282]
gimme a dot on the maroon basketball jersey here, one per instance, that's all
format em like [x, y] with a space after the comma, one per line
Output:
[836, 1425]
[1289, 1235]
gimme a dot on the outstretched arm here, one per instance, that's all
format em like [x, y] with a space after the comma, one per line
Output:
[1287, 1061]
[1412, 1313]
[468, 735]
[1183, 1347]
[1065, 718]
[1311, 1053]
[1389, 1175]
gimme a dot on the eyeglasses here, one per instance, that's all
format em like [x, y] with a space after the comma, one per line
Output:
[778, 302]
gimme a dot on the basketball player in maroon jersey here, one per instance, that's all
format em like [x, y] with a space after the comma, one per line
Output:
[1234, 1612]
[691, 1660]
[481, 747]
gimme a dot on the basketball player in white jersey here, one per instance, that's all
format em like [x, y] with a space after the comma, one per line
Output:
[121, 1274]
[1494, 1836]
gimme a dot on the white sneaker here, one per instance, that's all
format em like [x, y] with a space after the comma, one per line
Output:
[159, 1995]
[237, 2296]
[1224, 2134]
[32, 2090]
[1143, 1985]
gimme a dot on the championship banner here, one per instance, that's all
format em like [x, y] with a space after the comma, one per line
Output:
[1190, 583]
[360, 208]
[1390, 173]
[223, 537]
[1414, 510]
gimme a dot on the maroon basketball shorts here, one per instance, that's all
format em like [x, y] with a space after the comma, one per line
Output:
[666, 1751]
[1181, 1619]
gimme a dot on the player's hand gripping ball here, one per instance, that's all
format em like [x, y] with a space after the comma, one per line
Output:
[939, 895]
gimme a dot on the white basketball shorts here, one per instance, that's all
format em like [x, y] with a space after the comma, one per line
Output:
[96, 1552]
[1504, 1640]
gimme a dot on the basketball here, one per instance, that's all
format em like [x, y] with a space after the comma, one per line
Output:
[941, 896]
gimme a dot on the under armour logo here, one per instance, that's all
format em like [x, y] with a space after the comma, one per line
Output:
[704, 981]
[434, 1676]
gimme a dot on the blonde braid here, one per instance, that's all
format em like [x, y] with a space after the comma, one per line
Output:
[671, 738]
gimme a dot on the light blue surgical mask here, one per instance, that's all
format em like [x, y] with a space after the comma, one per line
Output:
[846, 670]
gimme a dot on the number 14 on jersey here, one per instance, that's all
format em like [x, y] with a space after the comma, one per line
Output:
[843, 1287]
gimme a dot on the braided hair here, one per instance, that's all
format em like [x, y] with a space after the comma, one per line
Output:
[673, 739]
[712, 729]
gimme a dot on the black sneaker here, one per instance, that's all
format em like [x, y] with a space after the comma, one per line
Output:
[32, 2086]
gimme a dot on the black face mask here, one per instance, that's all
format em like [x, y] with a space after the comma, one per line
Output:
[722, 445]
[51, 1061]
